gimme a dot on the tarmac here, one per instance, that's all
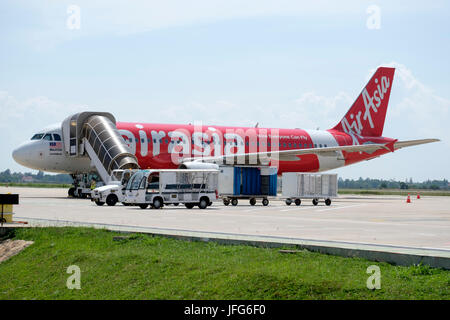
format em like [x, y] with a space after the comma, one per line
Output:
[378, 228]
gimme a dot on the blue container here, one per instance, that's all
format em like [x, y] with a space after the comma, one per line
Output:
[249, 181]
[237, 181]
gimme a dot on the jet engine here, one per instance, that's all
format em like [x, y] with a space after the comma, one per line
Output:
[198, 165]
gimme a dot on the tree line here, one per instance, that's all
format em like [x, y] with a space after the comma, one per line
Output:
[18, 177]
[28, 177]
[392, 184]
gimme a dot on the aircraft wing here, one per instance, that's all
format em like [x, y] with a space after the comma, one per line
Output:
[293, 155]
[409, 143]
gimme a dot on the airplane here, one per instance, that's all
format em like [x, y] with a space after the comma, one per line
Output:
[357, 137]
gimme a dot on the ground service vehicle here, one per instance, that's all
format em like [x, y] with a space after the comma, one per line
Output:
[297, 185]
[114, 191]
[173, 186]
[82, 185]
[247, 182]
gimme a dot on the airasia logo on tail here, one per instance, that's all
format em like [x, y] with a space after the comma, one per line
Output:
[378, 96]
[354, 125]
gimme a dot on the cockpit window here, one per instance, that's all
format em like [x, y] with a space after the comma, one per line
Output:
[56, 137]
[48, 137]
[37, 136]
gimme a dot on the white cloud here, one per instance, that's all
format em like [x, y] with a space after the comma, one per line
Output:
[415, 110]
[32, 113]
[319, 111]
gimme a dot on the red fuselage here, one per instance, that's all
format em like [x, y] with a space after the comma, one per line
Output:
[164, 145]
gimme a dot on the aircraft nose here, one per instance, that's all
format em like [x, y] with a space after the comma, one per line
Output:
[21, 155]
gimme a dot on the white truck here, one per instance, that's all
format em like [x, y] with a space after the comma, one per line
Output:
[172, 186]
[114, 191]
[298, 185]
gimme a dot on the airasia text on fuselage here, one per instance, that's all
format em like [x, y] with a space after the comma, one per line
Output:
[197, 141]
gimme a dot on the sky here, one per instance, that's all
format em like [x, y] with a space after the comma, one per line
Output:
[283, 64]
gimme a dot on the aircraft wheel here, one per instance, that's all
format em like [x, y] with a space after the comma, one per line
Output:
[298, 202]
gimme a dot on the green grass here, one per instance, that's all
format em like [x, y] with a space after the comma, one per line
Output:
[36, 185]
[146, 267]
[395, 192]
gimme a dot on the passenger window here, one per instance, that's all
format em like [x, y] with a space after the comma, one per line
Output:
[48, 137]
[56, 137]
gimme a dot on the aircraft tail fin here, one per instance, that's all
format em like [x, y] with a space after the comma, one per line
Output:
[367, 114]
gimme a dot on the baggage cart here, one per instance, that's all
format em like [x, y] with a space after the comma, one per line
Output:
[247, 182]
[297, 186]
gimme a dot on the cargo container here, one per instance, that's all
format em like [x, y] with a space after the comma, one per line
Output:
[247, 182]
[297, 186]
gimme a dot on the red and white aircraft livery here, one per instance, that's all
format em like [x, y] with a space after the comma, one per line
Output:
[357, 137]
